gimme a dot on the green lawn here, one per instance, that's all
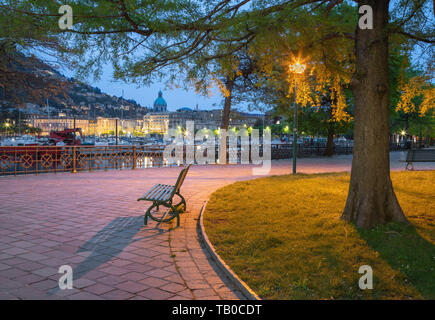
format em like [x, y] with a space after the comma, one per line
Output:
[282, 235]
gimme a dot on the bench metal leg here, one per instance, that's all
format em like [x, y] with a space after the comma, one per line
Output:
[182, 202]
[178, 216]
[409, 164]
[175, 213]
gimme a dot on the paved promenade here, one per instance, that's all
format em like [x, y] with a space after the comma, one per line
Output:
[92, 222]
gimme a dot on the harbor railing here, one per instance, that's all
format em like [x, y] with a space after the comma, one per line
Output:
[19, 160]
[42, 159]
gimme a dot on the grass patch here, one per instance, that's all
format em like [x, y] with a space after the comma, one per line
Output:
[282, 235]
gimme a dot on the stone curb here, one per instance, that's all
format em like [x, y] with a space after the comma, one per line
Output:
[236, 281]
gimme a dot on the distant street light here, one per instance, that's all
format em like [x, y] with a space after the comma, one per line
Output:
[297, 68]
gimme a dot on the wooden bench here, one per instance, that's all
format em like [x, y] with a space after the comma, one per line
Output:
[419, 155]
[162, 195]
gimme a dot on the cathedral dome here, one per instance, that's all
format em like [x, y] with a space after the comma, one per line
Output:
[160, 103]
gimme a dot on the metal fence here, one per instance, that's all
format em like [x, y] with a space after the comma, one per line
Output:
[42, 159]
[285, 151]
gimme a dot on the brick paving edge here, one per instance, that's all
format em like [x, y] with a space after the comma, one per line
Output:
[236, 281]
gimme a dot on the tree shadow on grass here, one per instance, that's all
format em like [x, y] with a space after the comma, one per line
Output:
[404, 249]
[109, 242]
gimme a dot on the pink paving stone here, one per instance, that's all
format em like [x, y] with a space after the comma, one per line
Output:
[156, 294]
[94, 275]
[133, 276]
[186, 293]
[204, 293]
[99, 289]
[29, 266]
[138, 267]
[159, 273]
[173, 287]
[22, 244]
[39, 249]
[30, 279]
[112, 270]
[154, 282]
[8, 284]
[15, 251]
[132, 287]
[82, 283]
[13, 273]
[7, 296]
[84, 296]
[33, 256]
[4, 266]
[138, 298]
[117, 295]
[46, 284]
[29, 293]
[174, 278]
[46, 271]
[110, 280]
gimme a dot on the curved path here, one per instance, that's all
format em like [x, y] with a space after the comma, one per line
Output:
[93, 223]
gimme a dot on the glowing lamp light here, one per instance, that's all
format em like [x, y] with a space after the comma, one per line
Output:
[297, 67]
[403, 132]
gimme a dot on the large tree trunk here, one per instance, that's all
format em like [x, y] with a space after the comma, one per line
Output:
[371, 199]
[229, 84]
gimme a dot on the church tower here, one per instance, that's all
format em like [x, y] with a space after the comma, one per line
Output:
[160, 104]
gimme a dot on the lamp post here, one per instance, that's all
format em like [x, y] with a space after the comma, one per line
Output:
[297, 68]
[7, 126]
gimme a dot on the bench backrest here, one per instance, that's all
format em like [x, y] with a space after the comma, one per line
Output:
[421, 155]
[180, 179]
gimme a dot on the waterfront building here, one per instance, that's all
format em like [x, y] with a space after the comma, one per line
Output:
[58, 124]
[158, 120]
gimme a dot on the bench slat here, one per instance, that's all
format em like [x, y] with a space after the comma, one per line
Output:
[163, 193]
[159, 192]
[153, 191]
[420, 155]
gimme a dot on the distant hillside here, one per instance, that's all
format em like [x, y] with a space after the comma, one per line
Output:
[79, 99]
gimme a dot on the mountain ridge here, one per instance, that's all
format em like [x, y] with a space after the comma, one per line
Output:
[77, 98]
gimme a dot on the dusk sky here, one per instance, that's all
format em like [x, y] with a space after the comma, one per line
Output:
[175, 97]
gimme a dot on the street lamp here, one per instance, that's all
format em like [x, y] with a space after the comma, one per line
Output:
[297, 68]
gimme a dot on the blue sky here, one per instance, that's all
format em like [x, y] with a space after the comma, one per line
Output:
[176, 98]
